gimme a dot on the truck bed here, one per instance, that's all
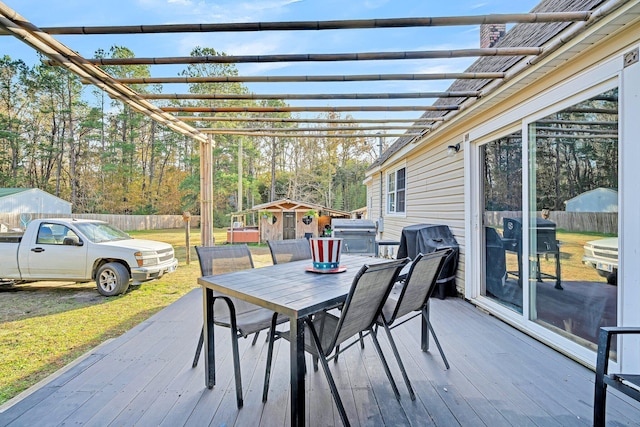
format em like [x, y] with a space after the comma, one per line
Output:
[10, 237]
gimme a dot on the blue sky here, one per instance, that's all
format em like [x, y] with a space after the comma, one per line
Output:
[131, 12]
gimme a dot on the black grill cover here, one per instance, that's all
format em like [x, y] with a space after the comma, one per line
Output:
[427, 238]
[545, 234]
[495, 263]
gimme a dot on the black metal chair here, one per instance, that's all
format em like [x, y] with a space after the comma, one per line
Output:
[283, 251]
[412, 296]
[241, 317]
[626, 383]
[363, 305]
[289, 250]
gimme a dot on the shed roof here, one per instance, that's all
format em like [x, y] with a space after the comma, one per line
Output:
[296, 205]
[11, 191]
[5, 192]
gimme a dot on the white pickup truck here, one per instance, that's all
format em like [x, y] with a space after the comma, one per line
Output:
[76, 250]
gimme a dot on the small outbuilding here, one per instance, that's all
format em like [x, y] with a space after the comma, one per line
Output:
[31, 200]
[292, 219]
[359, 213]
[596, 200]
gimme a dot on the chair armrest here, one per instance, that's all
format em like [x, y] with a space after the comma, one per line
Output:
[602, 364]
[604, 345]
[621, 329]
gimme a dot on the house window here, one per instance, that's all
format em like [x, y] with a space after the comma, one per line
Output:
[396, 184]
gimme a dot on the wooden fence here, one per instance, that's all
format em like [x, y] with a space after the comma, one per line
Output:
[571, 221]
[601, 222]
[123, 222]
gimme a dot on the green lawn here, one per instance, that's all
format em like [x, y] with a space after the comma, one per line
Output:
[46, 325]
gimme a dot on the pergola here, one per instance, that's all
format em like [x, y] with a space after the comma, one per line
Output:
[190, 121]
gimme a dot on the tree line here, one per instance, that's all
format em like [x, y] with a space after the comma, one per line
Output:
[573, 151]
[75, 142]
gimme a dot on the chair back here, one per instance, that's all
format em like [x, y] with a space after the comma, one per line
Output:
[283, 251]
[368, 292]
[223, 259]
[419, 284]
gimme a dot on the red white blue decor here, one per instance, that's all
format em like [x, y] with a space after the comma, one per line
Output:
[325, 252]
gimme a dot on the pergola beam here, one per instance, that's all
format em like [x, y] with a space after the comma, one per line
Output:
[318, 57]
[302, 120]
[326, 25]
[308, 109]
[307, 135]
[312, 129]
[298, 96]
[320, 78]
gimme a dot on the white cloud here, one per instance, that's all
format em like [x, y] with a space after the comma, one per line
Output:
[186, 3]
[374, 4]
[262, 68]
[217, 11]
[238, 44]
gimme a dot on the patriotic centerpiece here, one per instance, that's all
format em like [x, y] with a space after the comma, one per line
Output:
[325, 252]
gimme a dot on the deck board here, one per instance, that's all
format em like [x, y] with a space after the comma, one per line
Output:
[498, 377]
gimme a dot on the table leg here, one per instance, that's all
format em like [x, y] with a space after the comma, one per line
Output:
[558, 279]
[297, 372]
[209, 347]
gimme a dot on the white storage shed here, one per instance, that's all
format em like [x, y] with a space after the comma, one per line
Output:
[31, 200]
[597, 200]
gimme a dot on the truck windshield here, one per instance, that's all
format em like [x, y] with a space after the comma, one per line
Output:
[99, 232]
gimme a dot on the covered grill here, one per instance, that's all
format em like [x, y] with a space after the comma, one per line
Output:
[545, 243]
[427, 238]
[359, 235]
[545, 234]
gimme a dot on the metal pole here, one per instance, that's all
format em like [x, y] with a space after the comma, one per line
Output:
[380, 218]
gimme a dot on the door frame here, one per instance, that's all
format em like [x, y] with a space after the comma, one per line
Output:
[286, 216]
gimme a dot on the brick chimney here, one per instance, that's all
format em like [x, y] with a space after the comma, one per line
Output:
[491, 33]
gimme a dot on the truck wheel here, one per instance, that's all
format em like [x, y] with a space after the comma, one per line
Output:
[112, 279]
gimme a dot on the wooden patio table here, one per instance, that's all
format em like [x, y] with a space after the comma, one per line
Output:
[287, 289]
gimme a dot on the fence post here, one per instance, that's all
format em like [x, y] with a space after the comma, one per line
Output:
[186, 216]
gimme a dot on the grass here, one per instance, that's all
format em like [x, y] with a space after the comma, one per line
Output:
[571, 252]
[46, 325]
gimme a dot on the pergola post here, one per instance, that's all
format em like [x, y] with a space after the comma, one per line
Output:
[206, 192]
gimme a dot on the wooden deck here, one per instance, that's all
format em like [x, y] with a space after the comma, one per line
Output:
[498, 377]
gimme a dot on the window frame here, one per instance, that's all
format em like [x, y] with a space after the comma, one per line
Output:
[392, 194]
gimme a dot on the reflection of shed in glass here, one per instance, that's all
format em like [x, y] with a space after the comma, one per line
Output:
[596, 200]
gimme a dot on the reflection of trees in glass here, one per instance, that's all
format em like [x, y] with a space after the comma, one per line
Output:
[576, 150]
[503, 173]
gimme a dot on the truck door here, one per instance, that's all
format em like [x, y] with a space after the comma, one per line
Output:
[55, 254]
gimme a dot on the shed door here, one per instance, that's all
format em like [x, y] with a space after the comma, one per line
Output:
[288, 225]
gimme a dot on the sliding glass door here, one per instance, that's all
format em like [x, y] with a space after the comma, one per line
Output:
[573, 218]
[501, 169]
[557, 264]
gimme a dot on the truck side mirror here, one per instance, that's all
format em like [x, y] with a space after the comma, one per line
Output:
[72, 241]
